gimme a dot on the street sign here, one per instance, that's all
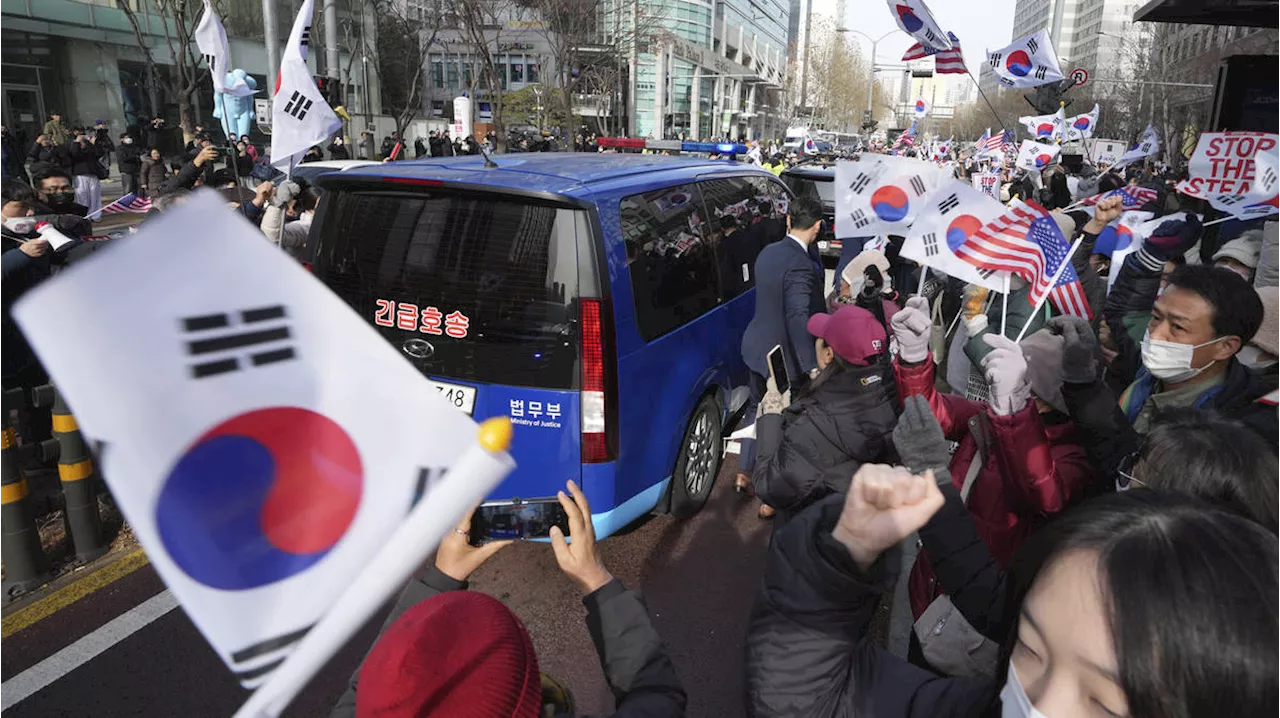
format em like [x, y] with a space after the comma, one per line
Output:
[262, 111]
[1079, 76]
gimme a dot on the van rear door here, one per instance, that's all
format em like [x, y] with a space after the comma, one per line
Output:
[480, 292]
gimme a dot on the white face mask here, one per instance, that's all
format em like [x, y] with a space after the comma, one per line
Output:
[1254, 358]
[1171, 361]
[20, 225]
[1014, 701]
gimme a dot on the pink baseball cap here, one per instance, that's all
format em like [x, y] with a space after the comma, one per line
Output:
[852, 332]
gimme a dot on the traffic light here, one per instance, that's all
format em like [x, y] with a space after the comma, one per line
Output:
[330, 90]
[1046, 97]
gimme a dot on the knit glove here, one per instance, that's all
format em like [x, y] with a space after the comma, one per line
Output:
[1172, 238]
[1006, 370]
[1079, 349]
[286, 193]
[919, 440]
[773, 401]
[911, 326]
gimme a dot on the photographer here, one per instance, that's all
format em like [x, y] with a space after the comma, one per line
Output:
[195, 172]
[446, 651]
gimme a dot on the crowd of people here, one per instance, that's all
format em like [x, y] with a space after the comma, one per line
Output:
[1093, 508]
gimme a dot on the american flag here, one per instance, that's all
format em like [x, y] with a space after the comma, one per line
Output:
[994, 143]
[1026, 241]
[130, 203]
[946, 62]
[907, 138]
[982, 141]
[1130, 197]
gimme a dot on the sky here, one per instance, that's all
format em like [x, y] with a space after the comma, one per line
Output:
[980, 25]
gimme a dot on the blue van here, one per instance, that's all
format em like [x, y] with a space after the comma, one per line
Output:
[598, 300]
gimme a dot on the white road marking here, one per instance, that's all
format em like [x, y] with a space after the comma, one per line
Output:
[36, 678]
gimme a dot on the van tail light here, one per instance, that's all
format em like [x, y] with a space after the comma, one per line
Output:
[599, 392]
[307, 266]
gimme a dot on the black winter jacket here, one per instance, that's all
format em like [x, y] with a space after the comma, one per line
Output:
[815, 445]
[1108, 434]
[55, 155]
[84, 158]
[638, 670]
[804, 654]
[129, 159]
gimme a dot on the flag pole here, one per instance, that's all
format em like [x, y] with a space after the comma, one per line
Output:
[924, 273]
[1061, 268]
[984, 97]
[1004, 307]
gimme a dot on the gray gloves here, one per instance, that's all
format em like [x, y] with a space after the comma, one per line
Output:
[1006, 370]
[919, 441]
[1079, 349]
[911, 326]
[286, 193]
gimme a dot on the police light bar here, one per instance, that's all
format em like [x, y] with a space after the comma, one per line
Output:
[635, 143]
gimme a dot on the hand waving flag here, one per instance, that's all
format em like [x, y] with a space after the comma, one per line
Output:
[266, 445]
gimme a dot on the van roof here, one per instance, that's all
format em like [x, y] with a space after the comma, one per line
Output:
[561, 173]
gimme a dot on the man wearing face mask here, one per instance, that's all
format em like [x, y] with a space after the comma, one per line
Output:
[27, 261]
[1198, 325]
[54, 188]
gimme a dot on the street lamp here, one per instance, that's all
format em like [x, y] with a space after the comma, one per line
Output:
[871, 82]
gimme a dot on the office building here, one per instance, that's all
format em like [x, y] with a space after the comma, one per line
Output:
[705, 68]
[1032, 15]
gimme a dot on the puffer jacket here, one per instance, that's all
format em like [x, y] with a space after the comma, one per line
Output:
[815, 445]
[154, 174]
[806, 657]
[1030, 471]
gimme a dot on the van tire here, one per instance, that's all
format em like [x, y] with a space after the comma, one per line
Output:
[699, 460]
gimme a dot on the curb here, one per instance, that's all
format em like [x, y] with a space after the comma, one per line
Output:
[37, 605]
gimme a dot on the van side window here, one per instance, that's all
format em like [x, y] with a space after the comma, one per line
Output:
[736, 235]
[673, 268]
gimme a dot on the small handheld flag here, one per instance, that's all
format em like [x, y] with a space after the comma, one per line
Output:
[1146, 146]
[1026, 241]
[300, 116]
[264, 442]
[130, 203]
[1034, 156]
[1081, 127]
[953, 213]
[211, 40]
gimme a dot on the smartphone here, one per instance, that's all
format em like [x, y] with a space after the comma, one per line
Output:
[519, 519]
[778, 369]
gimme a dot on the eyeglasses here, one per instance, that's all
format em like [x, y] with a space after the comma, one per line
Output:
[1125, 478]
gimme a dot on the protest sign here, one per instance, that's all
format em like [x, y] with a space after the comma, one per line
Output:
[1226, 171]
[988, 183]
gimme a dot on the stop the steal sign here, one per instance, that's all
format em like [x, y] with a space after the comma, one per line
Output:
[1235, 171]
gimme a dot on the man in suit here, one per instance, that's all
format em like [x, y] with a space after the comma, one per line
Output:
[789, 279]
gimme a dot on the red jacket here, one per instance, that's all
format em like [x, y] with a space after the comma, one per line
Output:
[1031, 472]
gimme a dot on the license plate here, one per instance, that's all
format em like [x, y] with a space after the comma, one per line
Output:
[462, 397]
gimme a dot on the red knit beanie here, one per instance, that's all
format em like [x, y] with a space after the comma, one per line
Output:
[460, 654]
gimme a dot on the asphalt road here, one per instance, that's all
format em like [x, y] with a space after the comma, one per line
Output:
[699, 578]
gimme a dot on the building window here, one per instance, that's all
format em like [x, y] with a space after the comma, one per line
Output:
[531, 72]
[437, 108]
[437, 74]
[452, 76]
[517, 72]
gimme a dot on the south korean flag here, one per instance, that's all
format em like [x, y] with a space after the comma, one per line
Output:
[879, 194]
[1029, 62]
[266, 445]
[300, 118]
[952, 214]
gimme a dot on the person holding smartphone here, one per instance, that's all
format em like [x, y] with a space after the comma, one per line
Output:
[445, 651]
[788, 291]
[842, 419]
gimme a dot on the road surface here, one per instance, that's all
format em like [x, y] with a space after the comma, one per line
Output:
[124, 650]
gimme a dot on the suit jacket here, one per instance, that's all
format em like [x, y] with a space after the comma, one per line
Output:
[788, 292]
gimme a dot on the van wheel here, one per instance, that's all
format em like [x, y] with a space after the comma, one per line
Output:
[698, 462]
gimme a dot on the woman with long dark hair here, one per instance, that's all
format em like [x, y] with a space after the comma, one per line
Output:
[1141, 604]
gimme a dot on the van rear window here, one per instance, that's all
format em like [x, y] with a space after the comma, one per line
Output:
[476, 287]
